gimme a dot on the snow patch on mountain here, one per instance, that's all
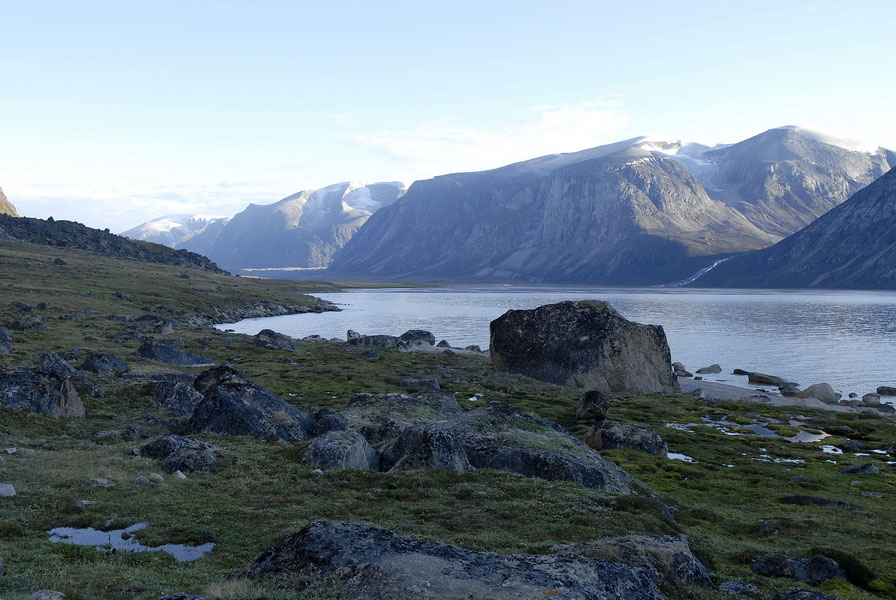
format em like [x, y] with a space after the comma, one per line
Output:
[173, 230]
[845, 143]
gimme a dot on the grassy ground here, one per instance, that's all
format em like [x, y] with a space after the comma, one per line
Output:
[728, 502]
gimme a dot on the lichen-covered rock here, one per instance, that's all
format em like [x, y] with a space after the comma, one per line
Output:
[233, 405]
[341, 449]
[171, 354]
[268, 338]
[367, 562]
[813, 570]
[587, 344]
[353, 338]
[176, 396]
[801, 595]
[610, 434]
[592, 407]
[381, 417]
[417, 337]
[181, 454]
[664, 558]
[427, 447]
[41, 392]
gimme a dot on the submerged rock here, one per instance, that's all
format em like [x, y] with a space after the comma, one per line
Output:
[233, 405]
[714, 368]
[368, 562]
[763, 379]
[587, 344]
[886, 390]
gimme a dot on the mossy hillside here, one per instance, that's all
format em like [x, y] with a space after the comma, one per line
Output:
[262, 491]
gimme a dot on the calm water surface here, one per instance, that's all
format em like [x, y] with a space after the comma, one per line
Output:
[846, 338]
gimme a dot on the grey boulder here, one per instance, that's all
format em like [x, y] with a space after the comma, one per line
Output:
[610, 434]
[821, 391]
[181, 454]
[587, 344]
[176, 396]
[813, 570]
[341, 449]
[663, 558]
[170, 354]
[268, 338]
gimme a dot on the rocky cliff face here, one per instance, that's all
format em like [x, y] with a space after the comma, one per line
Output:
[783, 179]
[614, 214]
[6, 207]
[303, 230]
[852, 246]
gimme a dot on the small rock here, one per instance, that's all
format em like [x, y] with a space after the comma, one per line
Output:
[871, 399]
[47, 595]
[739, 372]
[21, 306]
[81, 505]
[141, 481]
[179, 475]
[714, 368]
[473, 348]
[762, 378]
[59, 261]
[812, 570]
[865, 469]
[156, 476]
[739, 589]
[609, 434]
[420, 383]
[317, 472]
[417, 337]
[345, 449]
[790, 390]
[371, 354]
[7, 491]
[592, 407]
[11, 450]
[102, 482]
[853, 395]
[443, 344]
[801, 595]
[852, 445]
[805, 499]
[268, 338]
[448, 351]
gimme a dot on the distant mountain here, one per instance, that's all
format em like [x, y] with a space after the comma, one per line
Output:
[785, 178]
[174, 230]
[304, 230]
[852, 246]
[6, 207]
[625, 213]
[68, 234]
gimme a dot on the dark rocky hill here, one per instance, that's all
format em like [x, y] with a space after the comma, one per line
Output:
[69, 234]
[614, 214]
[6, 207]
[852, 246]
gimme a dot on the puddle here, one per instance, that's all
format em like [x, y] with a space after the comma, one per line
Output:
[808, 437]
[684, 457]
[831, 450]
[123, 539]
[759, 429]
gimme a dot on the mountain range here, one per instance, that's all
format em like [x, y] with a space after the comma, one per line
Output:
[637, 212]
[303, 230]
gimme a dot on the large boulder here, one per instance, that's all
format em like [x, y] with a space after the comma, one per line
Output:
[427, 447]
[381, 417]
[43, 392]
[170, 354]
[177, 396]
[609, 434]
[233, 405]
[353, 338]
[812, 570]
[821, 391]
[181, 454]
[105, 365]
[592, 407]
[587, 344]
[364, 561]
[666, 557]
[268, 338]
[341, 449]
[417, 338]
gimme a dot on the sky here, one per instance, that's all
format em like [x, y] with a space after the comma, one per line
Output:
[115, 113]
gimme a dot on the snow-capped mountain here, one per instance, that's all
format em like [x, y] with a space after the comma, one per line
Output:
[174, 230]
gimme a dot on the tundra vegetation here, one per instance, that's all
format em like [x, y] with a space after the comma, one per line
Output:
[744, 495]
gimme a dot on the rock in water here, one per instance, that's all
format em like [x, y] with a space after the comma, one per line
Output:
[587, 344]
[364, 561]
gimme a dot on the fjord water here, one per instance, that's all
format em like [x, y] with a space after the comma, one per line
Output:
[845, 338]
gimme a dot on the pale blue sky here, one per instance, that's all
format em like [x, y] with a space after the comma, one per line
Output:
[113, 113]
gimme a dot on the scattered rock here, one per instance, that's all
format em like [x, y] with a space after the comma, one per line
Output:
[181, 454]
[871, 399]
[420, 383]
[353, 338]
[865, 469]
[21, 306]
[609, 434]
[53, 364]
[473, 348]
[381, 417]
[886, 390]
[804, 499]
[417, 338]
[47, 595]
[345, 449]
[371, 354]
[368, 562]
[27, 324]
[105, 365]
[156, 476]
[59, 261]
[587, 344]
[326, 420]
[233, 405]
[168, 353]
[102, 482]
[443, 344]
[852, 445]
[714, 368]
[428, 447]
[81, 505]
[736, 588]
[7, 490]
[664, 558]
[801, 595]
[40, 391]
[813, 570]
[179, 475]
[739, 372]
[821, 391]
[176, 396]
[141, 480]
[268, 338]
[790, 390]
[762, 378]
[317, 472]
[592, 407]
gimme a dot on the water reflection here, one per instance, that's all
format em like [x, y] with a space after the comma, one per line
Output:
[123, 539]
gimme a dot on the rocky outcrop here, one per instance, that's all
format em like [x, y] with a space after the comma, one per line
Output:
[170, 354]
[666, 557]
[105, 365]
[233, 405]
[587, 344]
[368, 562]
[68, 234]
[609, 434]
[6, 207]
[341, 449]
[382, 417]
[181, 454]
[48, 389]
